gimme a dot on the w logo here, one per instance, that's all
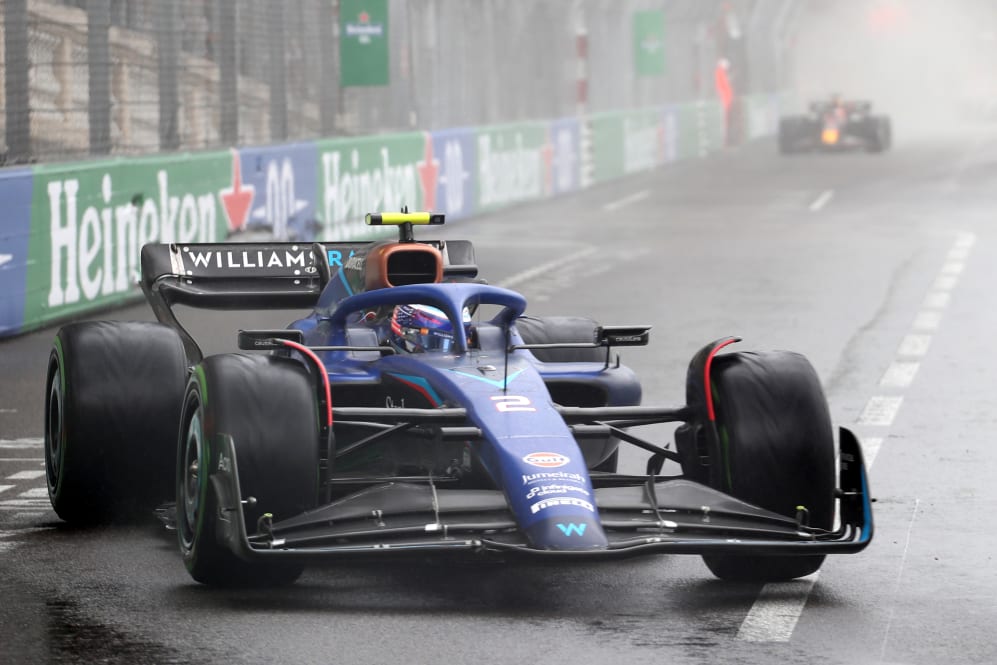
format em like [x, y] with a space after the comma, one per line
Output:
[570, 529]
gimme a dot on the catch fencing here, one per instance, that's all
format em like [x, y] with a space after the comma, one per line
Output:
[128, 77]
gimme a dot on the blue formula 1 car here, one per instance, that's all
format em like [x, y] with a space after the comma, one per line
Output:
[417, 411]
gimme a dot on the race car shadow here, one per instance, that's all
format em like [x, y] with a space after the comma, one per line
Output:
[589, 591]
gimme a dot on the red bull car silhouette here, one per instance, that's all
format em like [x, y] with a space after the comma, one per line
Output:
[418, 411]
[835, 124]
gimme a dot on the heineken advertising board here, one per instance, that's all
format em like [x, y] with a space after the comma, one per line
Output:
[363, 42]
[649, 43]
[70, 243]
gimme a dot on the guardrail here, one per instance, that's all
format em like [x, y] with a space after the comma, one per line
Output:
[71, 233]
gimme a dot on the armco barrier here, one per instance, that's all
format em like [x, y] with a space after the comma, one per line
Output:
[71, 233]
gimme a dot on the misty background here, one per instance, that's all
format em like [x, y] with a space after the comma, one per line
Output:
[923, 62]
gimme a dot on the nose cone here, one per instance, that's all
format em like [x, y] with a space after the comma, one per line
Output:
[567, 533]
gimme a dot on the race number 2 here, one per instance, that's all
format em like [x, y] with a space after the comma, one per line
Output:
[508, 403]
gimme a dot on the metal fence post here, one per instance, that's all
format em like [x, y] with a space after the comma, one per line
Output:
[327, 17]
[228, 72]
[99, 69]
[168, 42]
[278, 75]
[17, 89]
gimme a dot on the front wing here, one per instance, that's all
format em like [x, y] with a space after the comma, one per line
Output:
[640, 515]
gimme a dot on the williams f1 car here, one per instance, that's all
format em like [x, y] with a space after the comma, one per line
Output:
[835, 124]
[418, 411]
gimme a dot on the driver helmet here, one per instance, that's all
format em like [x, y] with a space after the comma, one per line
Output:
[421, 328]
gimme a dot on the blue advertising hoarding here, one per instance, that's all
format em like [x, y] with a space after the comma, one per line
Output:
[15, 230]
[565, 163]
[455, 154]
[283, 181]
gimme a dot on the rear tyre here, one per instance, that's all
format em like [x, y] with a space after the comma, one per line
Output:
[881, 134]
[777, 450]
[788, 132]
[113, 395]
[267, 405]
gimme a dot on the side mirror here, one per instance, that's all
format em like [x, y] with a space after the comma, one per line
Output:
[263, 340]
[623, 335]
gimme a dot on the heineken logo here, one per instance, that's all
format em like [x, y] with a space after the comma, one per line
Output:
[362, 29]
[94, 249]
[508, 173]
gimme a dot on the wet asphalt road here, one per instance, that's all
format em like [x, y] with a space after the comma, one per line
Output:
[878, 268]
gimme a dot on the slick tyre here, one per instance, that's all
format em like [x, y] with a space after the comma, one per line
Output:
[881, 135]
[777, 450]
[113, 395]
[789, 130]
[267, 404]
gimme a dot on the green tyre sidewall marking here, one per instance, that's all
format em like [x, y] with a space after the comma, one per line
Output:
[204, 464]
[724, 437]
[61, 370]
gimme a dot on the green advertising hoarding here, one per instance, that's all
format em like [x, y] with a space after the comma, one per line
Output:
[363, 42]
[649, 43]
[372, 174]
[90, 220]
[607, 146]
[514, 163]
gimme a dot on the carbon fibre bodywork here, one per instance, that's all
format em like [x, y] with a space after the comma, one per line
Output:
[480, 450]
[835, 126]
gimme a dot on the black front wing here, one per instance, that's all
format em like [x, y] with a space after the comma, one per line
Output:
[400, 518]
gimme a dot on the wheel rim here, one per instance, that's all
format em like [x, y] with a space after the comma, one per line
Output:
[191, 480]
[54, 429]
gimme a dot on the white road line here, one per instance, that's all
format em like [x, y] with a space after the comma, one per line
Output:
[35, 493]
[550, 266]
[18, 444]
[33, 460]
[626, 200]
[899, 374]
[773, 616]
[965, 239]
[927, 320]
[953, 268]
[21, 504]
[822, 200]
[4, 488]
[914, 345]
[880, 411]
[870, 449]
[946, 282]
[900, 576]
[26, 475]
[937, 300]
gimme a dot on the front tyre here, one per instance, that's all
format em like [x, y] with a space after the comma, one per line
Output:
[777, 449]
[267, 405]
[112, 406]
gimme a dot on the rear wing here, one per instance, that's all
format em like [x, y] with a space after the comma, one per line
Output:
[247, 276]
